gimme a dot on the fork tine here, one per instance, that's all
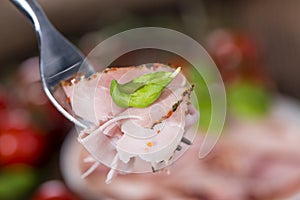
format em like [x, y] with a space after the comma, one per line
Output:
[59, 59]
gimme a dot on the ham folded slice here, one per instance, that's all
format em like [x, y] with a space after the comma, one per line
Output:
[131, 139]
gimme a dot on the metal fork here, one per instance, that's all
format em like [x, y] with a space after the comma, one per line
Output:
[59, 59]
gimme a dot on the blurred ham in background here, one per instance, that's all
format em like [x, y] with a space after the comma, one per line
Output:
[255, 45]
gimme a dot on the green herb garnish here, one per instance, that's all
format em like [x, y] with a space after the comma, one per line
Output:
[248, 100]
[141, 91]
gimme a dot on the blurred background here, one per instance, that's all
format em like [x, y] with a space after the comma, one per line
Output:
[256, 47]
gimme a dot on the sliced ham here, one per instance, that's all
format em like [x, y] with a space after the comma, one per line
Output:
[126, 139]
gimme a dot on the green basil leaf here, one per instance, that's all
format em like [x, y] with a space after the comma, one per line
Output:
[141, 91]
[248, 100]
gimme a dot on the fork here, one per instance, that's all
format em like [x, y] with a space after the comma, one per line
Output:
[59, 59]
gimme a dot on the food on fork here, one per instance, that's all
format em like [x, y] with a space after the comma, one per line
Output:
[140, 116]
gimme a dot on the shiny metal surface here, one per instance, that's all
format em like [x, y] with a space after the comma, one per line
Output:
[59, 59]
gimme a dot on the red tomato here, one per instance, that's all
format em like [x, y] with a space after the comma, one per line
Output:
[3, 99]
[21, 144]
[236, 55]
[54, 190]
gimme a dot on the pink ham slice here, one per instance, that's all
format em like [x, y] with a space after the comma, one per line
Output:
[88, 96]
[158, 146]
[80, 94]
[120, 135]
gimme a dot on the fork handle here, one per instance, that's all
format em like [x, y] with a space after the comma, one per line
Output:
[33, 11]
